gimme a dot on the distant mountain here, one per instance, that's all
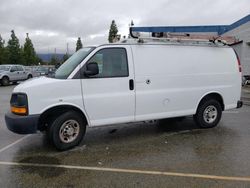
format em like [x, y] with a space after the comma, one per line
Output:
[47, 57]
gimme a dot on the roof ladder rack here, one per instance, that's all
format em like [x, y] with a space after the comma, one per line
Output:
[174, 37]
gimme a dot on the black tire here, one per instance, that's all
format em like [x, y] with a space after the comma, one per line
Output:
[29, 76]
[59, 123]
[203, 118]
[5, 81]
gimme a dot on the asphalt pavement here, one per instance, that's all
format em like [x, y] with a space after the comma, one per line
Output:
[245, 95]
[172, 153]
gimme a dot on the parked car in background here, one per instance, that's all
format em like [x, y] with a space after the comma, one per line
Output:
[13, 73]
[45, 71]
[245, 80]
[32, 70]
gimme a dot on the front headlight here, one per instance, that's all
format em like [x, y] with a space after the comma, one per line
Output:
[19, 104]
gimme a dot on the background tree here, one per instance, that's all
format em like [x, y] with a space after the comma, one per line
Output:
[65, 57]
[2, 51]
[29, 52]
[112, 31]
[78, 44]
[54, 60]
[22, 56]
[14, 50]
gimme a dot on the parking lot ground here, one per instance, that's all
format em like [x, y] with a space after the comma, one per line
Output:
[245, 96]
[6, 137]
[173, 153]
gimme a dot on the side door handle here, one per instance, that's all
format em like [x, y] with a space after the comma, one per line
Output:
[131, 84]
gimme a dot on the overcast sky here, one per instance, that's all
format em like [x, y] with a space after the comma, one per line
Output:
[54, 23]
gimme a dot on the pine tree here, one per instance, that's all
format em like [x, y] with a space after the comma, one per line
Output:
[78, 44]
[22, 56]
[53, 60]
[14, 51]
[65, 57]
[1, 42]
[29, 52]
[2, 51]
[112, 31]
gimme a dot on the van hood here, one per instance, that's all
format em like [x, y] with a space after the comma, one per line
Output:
[35, 83]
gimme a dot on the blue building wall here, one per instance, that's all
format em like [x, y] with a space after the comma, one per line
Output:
[219, 29]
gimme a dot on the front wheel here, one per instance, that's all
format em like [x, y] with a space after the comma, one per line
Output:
[5, 81]
[67, 130]
[208, 114]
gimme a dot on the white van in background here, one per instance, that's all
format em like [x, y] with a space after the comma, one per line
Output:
[135, 80]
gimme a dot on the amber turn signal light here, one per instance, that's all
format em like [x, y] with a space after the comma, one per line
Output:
[19, 110]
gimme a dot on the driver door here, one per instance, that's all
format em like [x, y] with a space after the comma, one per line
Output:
[108, 96]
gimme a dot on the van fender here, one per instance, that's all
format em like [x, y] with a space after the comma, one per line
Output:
[67, 104]
[3, 75]
[206, 94]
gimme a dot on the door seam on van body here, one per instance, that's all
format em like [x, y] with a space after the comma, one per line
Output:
[132, 55]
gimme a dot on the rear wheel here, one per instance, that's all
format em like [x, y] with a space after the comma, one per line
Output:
[29, 76]
[5, 81]
[67, 130]
[208, 114]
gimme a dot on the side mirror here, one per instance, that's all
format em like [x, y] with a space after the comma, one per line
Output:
[92, 69]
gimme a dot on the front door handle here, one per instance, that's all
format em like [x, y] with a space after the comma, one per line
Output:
[131, 84]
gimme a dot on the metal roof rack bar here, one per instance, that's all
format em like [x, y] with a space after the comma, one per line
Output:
[171, 39]
[131, 33]
[176, 37]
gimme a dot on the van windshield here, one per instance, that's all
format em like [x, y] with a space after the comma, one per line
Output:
[68, 66]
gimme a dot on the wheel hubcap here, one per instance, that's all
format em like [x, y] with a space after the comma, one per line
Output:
[69, 131]
[5, 81]
[210, 114]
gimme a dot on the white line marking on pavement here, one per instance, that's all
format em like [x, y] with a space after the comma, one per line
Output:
[145, 172]
[16, 142]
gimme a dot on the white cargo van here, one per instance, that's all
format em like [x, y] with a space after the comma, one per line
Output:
[135, 80]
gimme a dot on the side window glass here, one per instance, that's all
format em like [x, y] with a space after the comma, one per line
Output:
[112, 62]
[19, 68]
[13, 69]
[98, 58]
